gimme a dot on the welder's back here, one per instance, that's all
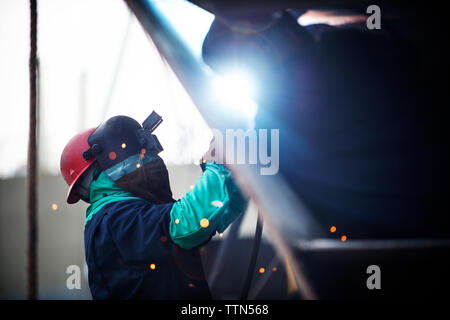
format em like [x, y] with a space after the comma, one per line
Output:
[130, 255]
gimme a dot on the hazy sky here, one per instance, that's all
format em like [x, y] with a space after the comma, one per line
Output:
[79, 45]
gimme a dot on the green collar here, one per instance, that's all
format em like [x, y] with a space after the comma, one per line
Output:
[103, 191]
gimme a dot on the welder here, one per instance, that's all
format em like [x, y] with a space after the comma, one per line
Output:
[140, 243]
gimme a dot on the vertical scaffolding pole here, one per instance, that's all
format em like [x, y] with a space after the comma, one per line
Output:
[32, 288]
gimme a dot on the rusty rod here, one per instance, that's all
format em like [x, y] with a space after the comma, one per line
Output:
[32, 286]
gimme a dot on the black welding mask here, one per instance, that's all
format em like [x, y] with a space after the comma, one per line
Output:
[128, 153]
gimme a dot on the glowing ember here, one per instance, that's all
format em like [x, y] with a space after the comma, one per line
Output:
[262, 270]
[333, 229]
[124, 145]
[54, 206]
[344, 238]
[152, 266]
[112, 155]
[204, 223]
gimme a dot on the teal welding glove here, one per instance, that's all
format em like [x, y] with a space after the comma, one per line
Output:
[212, 205]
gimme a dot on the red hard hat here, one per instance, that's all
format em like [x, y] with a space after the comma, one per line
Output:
[72, 163]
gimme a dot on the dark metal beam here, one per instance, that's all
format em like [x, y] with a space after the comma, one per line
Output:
[322, 245]
[236, 8]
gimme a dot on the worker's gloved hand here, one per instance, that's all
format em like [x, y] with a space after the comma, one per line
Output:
[213, 155]
[212, 205]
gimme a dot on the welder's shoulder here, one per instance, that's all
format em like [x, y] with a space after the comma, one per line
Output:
[134, 207]
[126, 213]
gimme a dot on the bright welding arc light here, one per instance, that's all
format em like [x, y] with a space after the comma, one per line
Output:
[235, 91]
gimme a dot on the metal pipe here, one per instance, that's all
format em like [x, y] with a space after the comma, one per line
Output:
[321, 245]
[32, 286]
[253, 257]
[245, 8]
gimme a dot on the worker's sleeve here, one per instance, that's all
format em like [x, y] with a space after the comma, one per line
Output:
[212, 205]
